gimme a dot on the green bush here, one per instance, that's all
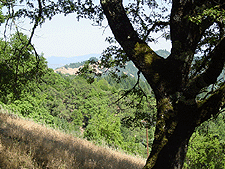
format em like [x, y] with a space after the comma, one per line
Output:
[205, 152]
[104, 126]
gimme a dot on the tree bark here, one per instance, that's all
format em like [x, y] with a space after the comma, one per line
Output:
[172, 154]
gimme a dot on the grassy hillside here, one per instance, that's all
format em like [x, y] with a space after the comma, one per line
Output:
[25, 144]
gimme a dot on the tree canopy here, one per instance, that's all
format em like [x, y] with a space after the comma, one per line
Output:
[18, 66]
[187, 84]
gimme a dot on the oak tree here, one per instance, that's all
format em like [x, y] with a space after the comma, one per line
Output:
[194, 26]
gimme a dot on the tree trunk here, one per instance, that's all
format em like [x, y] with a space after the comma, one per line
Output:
[175, 124]
[175, 90]
[171, 156]
[173, 152]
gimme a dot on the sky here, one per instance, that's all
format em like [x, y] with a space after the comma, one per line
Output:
[64, 36]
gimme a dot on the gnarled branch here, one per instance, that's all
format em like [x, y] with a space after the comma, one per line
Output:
[209, 76]
[144, 58]
[211, 106]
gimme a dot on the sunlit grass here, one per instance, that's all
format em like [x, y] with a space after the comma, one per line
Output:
[25, 144]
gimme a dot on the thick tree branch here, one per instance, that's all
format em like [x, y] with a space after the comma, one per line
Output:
[211, 73]
[144, 58]
[120, 24]
[186, 34]
[211, 106]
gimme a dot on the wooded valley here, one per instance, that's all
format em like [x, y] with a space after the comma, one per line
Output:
[105, 113]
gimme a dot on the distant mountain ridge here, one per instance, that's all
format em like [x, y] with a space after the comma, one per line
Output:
[57, 62]
[163, 53]
[130, 69]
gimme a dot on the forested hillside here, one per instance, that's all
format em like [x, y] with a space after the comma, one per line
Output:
[104, 112]
[87, 110]
[90, 111]
[129, 69]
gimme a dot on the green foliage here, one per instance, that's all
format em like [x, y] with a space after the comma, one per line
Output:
[2, 18]
[18, 66]
[206, 31]
[77, 117]
[120, 75]
[206, 147]
[70, 103]
[136, 143]
[75, 65]
[103, 84]
[205, 151]
[216, 13]
[104, 126]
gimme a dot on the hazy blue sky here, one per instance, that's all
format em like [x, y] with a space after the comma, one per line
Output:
[66, 37]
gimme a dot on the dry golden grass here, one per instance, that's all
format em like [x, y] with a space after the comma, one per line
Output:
[25, 144]
[63, 70]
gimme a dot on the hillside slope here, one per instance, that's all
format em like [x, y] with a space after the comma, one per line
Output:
[55, 62]
[130, 69]
[25, 144]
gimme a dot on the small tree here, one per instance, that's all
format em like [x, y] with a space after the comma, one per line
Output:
[18, 66]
